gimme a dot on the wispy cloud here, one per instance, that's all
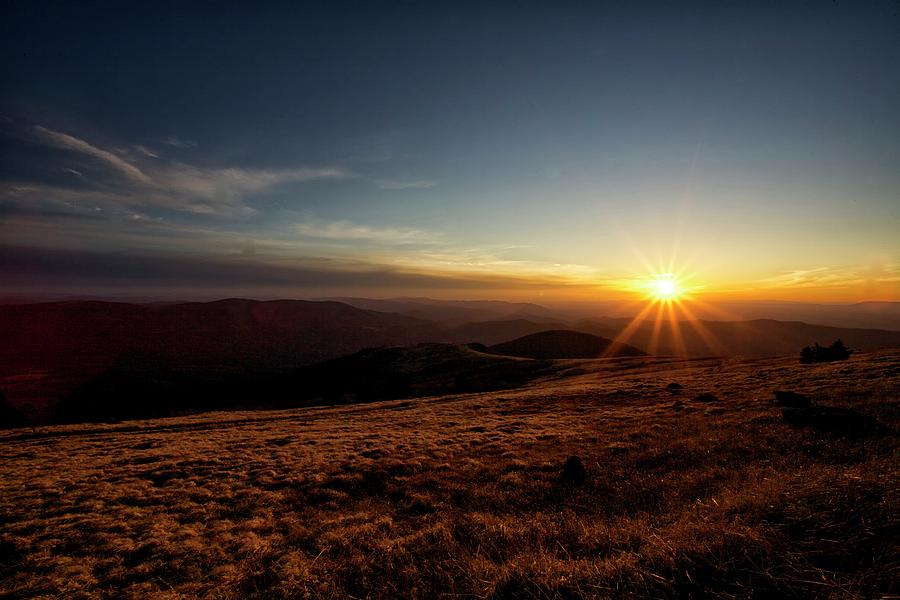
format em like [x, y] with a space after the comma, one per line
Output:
[146, 151]
[161, 274]
[346, 231]
[400, 184]
[210, 191]
[837, 276]
[68, 142]
[489, 260]
[177, 142]
[161, 183]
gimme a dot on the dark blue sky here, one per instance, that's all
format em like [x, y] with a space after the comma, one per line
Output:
[529, 145]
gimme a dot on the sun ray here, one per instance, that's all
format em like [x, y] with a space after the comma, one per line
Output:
[624, 336]
[669, 322]
[714, 345]
[677, 340]
[653, 346]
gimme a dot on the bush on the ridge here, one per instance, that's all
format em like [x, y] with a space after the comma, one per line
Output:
[817, 353]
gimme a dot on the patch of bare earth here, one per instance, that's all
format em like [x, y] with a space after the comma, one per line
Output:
[463, 496]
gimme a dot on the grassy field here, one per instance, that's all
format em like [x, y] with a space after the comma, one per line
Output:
[462, 496]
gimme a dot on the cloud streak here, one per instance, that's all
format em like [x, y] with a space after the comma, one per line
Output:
[393, 184]
[346, 231]
[42, 269]
[833, 277]
[155, 182]
[177, 142]
[68, 142]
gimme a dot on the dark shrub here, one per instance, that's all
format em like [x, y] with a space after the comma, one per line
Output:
[817, 353]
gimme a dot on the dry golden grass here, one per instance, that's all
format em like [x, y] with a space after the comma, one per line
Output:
[462, 497]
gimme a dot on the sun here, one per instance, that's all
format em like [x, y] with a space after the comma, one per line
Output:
[665, 288]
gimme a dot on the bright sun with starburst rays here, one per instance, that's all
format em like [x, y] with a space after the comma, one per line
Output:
[669, 296]
[665, 287]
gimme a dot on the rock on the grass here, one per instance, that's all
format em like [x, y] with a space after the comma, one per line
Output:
[790, 399]
[574, 471]
[840, 421]
[706, 397]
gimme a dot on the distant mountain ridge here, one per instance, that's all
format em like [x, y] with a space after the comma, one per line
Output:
[756, 338]
[275, 333]
[452, 312]
[861, 315]
[50, 348]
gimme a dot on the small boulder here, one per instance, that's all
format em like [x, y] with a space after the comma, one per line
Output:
[574, 471]
[674, 388]
[788, 399]
[839, 421]
[706, 397]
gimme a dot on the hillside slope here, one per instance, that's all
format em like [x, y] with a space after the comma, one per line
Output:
[148, 390]
[562, 343]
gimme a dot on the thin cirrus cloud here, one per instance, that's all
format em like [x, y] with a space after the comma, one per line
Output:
[399, 184]
[68, 142]
[177, 142]
[351, 232]
[167, 184]
[146, 151]
[50, 269]
[834, 277]
[224, 190]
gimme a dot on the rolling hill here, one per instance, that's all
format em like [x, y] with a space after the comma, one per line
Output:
[495, 332]
[147, 389]
[562, 343]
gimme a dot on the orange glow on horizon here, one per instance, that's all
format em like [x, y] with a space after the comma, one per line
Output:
[668, 297]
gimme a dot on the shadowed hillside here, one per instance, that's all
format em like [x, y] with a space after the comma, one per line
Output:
[144, 387]
[423, 370]
[9, 415]
[562, 343]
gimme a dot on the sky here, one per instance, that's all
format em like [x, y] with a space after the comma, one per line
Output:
[530, 151]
